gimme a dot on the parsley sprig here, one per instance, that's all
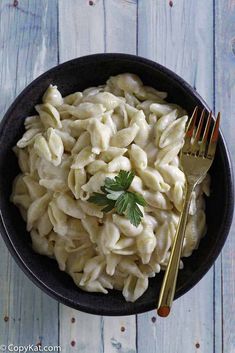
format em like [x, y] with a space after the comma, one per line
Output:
[116, 196]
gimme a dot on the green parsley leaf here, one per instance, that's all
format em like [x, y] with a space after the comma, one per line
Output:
[121, 182]
[122, 203]
[116, 196]
[103, 189]
[134, 214]
[98, 199]
[140, 200]
[102, 200]
[127, 204]
[108, 208]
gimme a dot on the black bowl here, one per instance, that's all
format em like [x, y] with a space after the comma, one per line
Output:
[76, 75]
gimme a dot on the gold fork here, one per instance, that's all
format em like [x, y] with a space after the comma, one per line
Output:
[196, 158]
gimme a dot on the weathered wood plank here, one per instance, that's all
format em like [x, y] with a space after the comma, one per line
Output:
[168, 34]
[225, 102]
[218, 306]
[80, 332]
[81, 32]
[99, 33]
[120, 36]
[28, 46]
[81, 28]
[120, 26]
[120, 334]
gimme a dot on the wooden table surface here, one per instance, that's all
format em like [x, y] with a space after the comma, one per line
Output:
[196, 39]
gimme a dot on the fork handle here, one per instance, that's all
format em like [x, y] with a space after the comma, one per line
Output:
[169, 281]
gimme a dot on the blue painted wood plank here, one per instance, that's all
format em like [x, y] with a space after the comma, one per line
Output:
[120, 334]
[120, 26]
[120, 36]
[225, 102]
[86, 29]
[28, 46]
[80, 332]
[168, 33]
[218, 306]
[81, 28]
[81, 32]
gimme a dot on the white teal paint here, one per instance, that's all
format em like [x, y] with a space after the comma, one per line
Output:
[194, 38]
[28, 46]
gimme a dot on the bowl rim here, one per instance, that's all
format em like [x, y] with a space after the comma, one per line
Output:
[200, 272]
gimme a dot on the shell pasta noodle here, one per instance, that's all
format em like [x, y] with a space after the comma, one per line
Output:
[70, 147]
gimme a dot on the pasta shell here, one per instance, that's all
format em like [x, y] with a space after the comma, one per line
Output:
[52, 96]
[36, 210]
[124, 137]
[83, 158]
[76, 178]
[49, 115]
[153, 180]
[134, 287]
[138, 157]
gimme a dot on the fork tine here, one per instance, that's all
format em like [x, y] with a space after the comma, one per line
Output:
[195, 148]
[199, 128]
[202, 150]
[214, 138]
[190, 130]
[191, 125]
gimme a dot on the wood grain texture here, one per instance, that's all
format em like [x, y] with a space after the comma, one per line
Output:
[218, 306]
[81, 28]
[28, 42]
[80, 332]
[120, 36]
[81, 32]
[120, 334]
[196, 39]
[169, 35]
[225, 102]
[90, 30]
[120, 26]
